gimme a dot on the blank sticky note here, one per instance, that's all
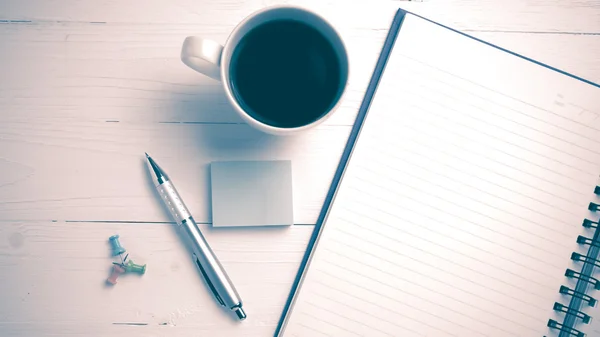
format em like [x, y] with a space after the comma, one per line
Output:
[251, 193]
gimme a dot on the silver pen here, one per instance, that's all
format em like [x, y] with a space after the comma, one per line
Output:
[212, 271]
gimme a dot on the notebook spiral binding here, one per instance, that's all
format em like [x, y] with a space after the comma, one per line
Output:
[579, 297]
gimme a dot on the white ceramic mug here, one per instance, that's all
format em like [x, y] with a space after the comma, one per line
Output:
[214, 60]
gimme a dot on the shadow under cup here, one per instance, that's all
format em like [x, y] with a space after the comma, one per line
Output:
[289, 68]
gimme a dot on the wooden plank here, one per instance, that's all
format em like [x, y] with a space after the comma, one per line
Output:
[72, 111]
[54, 72]
[97, 171]
[59, 73]
[54, 273]
[582, 16]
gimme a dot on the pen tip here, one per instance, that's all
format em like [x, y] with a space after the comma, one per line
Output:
[147, 156]
[240, 313]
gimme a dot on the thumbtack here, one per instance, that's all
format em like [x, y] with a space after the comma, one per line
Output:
[116, 271]
[136, 268]
[117, 249]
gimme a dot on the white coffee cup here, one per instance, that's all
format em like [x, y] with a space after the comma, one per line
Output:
[214, 60]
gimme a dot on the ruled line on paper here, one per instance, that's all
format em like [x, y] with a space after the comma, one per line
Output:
[377, 292]
[479, 85]
[457, 275]
[430, 219]
[312, 329]
[476, 204]
[379, 317]
[509, 196]
[428, 147]
[429, 132]
[425, 86]
[457, 205]
[407, 243]
[335, 313]
[447, 121]
[328, 323]
[394, 310]
[417, 318]
[453, 135]
[408, 91]
[480, 191]
[431, 165]
[417, 130]
[488, 112]
[516, 143]
[363, 273]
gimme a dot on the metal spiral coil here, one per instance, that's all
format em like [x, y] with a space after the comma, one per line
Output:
[577, 275]
[558, 326]
[589, 260]
[567, 310]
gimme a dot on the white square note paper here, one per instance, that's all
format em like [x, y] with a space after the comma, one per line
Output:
[251, 193]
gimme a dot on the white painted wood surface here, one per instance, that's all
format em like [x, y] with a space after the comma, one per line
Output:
[87, 86]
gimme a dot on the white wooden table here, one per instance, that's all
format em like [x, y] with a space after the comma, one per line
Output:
[87, 86]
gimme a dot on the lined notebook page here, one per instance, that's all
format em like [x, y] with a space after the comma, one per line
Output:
[462, 201]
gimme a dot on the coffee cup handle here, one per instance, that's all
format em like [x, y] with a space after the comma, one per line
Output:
[202, 55]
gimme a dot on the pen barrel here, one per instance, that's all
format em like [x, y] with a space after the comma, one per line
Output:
[214, 274]
[203, 256]
[173, 201]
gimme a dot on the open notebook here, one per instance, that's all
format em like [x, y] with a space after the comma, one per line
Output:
[456, 210]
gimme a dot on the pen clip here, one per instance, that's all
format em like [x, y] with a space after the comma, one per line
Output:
[210, 285]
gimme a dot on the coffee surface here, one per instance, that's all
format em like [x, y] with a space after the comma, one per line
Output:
[285, 73]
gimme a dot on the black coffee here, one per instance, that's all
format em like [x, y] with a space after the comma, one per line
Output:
[285, 74]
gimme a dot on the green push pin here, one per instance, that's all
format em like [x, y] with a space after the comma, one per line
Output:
[117, 249]
[130, 266]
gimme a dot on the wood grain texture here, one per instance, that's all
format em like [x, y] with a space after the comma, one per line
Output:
[581, 16]
[97, 171]
[54, 273]
[130, 73]
[86, 87]
[80, 100]
[122, 73]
